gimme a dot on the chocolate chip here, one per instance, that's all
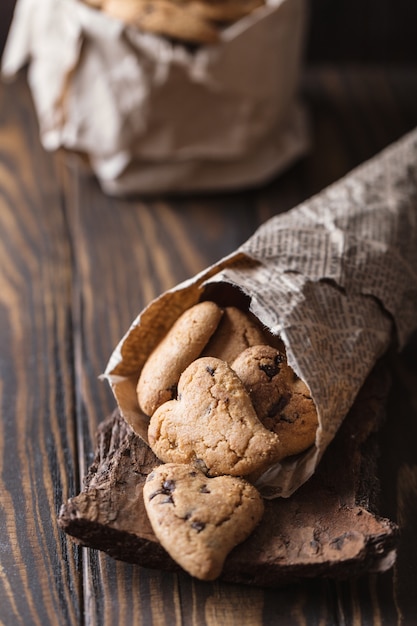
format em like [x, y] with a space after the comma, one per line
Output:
[173, 390]
[271, 368]
[168, 486]
[198, 526]
[201, 465]
[210, 370]
[155, 493]
[204, 489]
[290, 419]
[278, 406]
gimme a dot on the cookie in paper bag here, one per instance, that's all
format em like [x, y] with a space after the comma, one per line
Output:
[182, 344]
[192, 21]
[212, 424]
[282, 401]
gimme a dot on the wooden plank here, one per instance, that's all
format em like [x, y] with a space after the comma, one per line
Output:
[326, 529]
[39, 568]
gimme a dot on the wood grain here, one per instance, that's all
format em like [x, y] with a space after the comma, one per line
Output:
[327, 529]
[75, 269]
[40, 571]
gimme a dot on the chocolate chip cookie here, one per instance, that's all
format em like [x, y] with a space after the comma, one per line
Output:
[198, 520]
[281, 400]
[212, 424]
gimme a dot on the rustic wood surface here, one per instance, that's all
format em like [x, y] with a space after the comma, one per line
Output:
[328, 528]
[75, 268]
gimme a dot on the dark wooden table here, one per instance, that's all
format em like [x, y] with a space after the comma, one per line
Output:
[75, 269]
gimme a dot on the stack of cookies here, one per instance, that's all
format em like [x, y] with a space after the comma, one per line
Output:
[190, 21]
[224, 405]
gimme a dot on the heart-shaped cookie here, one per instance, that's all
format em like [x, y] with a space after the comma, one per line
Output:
[198, 520]
[212, 424]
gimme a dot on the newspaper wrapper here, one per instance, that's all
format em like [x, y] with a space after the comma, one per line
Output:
[335, 278]
[153, 116]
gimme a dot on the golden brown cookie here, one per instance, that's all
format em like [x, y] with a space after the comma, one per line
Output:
[222, 10]
[212, 424]
[164, 17]
[181, 345]
[236, 331]
[198, 520]
[281, 400]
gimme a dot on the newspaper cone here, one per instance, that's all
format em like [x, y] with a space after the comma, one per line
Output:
[336, 278]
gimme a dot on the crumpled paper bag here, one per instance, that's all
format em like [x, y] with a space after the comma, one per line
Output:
[153, 116]
[335, 278]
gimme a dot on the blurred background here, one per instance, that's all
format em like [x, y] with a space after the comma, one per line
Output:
[363, 31]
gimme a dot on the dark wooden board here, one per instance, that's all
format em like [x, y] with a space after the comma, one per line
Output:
[40, 579]
[328, 528]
